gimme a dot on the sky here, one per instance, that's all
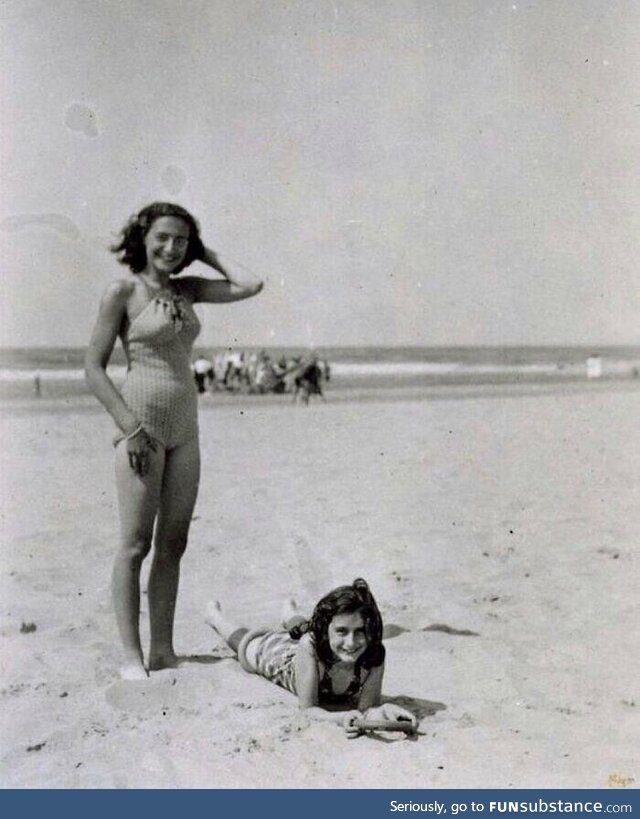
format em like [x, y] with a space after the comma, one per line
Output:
[415, 172]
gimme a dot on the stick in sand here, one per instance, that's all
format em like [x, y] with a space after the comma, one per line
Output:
[385, 725]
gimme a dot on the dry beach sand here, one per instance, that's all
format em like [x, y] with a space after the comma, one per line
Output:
[498, 528]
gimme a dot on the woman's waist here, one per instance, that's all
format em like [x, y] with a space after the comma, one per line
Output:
[160, 378]
[168, 365]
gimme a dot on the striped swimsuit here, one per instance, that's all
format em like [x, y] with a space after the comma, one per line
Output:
[272, 654]
[160, 388]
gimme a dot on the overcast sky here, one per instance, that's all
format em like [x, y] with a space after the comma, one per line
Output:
[400, 171]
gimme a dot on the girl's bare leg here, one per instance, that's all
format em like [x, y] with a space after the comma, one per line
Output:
[231, 632]
[290, 614]
[138, 503]
[177, 499]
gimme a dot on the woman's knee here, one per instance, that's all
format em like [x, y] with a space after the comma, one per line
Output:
[171, 546]
[135, 548]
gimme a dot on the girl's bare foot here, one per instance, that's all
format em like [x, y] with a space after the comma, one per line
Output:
[214, 614]
[216, 619]
[290, 614]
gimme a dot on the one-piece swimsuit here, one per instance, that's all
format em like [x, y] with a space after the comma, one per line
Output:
[160, 388]
[273, 656]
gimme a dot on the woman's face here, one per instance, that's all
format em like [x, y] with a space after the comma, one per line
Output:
[347, 637]
[166, 244]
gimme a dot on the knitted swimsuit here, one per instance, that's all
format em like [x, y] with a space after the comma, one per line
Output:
[160, 388]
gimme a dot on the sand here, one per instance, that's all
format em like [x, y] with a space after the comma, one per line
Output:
[498, 529]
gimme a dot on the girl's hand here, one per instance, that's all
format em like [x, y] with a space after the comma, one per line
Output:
[349, 724]
[139, 448]
[391, 713]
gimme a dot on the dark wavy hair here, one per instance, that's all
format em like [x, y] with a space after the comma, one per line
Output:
[131, 250]
[345, 600]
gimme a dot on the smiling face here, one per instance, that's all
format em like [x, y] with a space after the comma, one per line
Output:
[347, 637]
[166, 244]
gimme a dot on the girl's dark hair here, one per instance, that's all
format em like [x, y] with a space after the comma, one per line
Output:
[345, 600]
[131, 250]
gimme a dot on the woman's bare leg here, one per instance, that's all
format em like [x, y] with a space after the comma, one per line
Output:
[177, 499]
[138, 503]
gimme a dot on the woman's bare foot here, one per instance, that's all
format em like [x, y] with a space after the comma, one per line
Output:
[159, 661]
[133, 670]
[290, 614]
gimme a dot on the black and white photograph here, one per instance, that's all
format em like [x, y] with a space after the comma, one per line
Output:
[320, 394]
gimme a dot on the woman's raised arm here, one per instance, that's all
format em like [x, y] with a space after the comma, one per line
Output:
[233, 288]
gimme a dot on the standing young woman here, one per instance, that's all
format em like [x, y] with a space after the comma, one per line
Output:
[157, 450]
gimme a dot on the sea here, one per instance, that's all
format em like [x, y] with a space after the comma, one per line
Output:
[58, 371]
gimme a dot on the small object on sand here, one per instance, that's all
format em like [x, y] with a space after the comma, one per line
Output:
[402, 725]
[27, 628]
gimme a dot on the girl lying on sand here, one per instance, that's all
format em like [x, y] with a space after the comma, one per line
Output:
[333, 662]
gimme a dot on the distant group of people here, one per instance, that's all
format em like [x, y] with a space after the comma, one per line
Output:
[258, 372]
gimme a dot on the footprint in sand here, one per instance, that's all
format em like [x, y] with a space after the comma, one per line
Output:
[144, 696]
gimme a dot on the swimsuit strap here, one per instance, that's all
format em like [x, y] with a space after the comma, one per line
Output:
[327, 694]
[172, 300]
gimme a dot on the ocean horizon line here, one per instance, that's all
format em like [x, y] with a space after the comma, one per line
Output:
[419, 358]
[595, 346]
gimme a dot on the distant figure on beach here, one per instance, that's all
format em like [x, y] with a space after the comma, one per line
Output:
[157, 452]
[203, 374]
[308, 381]
[333, 662]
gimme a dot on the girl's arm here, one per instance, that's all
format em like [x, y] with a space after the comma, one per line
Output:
[198, 289]
[370, 703]
[371, 691]
[111, 314]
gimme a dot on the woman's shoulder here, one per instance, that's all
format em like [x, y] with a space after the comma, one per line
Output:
[119, 291]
